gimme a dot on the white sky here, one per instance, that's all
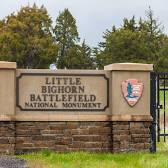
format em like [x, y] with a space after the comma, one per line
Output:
[94, 16]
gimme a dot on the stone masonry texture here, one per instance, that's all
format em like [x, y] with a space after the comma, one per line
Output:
[131, 136]
[63, 136]
[7, 137]
[22, 137]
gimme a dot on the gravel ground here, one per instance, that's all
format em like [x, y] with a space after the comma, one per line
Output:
[12, 162]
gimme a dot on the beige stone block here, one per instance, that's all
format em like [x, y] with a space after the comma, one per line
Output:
[119, 104]
[129, 67]
[124, 71]
[7, 65]
[7, 90]
[66, 117]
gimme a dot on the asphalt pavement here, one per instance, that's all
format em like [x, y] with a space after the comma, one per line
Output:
[12, 162]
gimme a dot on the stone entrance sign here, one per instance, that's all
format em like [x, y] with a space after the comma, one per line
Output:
[74, 110]
[62, 92]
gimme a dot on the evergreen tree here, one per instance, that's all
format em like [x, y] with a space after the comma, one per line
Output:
[153, 34]
[26, 37]
[79, 57]
[162, 63]
[66, 36]
[140, 41]
[130, 24]
[86, 59]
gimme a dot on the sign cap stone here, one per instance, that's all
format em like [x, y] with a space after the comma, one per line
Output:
[129, 67]
[7, 65]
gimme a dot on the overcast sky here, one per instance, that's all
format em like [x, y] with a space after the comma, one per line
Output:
[93, 17]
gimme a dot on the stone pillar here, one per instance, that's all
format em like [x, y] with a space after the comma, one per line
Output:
[131, 117]
[7, 106]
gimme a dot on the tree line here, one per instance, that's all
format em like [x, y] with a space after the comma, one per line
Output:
[29, 38]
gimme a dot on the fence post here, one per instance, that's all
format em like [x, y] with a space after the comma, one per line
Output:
[153, 111]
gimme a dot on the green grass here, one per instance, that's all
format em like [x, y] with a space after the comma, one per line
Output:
[47, 159]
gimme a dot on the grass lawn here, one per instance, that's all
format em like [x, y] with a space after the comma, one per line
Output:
[46, 159]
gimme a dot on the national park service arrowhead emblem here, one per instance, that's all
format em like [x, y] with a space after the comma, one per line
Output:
[132, 90]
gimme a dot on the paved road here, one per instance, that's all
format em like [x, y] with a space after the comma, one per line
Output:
[12, 162]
